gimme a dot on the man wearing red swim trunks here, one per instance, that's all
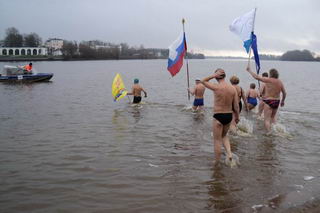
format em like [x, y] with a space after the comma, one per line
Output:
[273, 88]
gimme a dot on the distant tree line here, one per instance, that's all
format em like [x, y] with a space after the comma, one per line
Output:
[14, 39]
[105, 50]
[299, 55]
[94, 49]
[269, 57]
[292, 55]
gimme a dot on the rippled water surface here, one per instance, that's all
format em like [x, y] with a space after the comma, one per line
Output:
[65, 146]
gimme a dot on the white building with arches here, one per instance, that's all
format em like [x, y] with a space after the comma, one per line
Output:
[21, 51]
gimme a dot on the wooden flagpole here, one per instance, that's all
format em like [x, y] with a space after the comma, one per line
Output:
[249, 57]
[188, 82]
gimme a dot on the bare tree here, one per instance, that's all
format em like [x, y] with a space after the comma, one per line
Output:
[69, 49]
[13, 38]
[32, 40]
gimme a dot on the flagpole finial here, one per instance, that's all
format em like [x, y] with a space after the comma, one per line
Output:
[183, 20]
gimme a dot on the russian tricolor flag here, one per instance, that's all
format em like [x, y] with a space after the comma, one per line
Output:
[177, 51]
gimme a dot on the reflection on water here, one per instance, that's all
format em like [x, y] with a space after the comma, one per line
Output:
[268, 164]
[135, 112]
[67, 147]
[218, 191]
[120, 123]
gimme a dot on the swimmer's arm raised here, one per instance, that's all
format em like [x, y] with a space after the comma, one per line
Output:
[258, 77]
[208, 84]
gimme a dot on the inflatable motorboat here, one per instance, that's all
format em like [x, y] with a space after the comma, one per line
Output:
[16, 74]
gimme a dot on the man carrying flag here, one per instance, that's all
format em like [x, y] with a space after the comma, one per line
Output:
[243, 26]
[272, 99]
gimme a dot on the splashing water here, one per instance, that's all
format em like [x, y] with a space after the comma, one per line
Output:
[258, 207]
[245, 127]
[234, 162]
[187, 108]
[280, 130]
[136, 106]
[255, 110]
[260, 118]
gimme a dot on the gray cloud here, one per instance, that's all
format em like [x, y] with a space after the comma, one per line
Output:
[280, 25]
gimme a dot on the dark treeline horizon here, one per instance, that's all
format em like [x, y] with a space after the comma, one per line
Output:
[105, 50]
[291, 55]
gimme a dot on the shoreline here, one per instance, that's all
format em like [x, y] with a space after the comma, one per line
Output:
[13, 59]
[9, 59]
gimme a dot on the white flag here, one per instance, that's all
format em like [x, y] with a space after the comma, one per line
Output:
[243, 25]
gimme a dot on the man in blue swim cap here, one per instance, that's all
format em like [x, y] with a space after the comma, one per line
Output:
[136, 91]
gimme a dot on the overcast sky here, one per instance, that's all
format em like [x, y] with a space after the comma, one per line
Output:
[281, 25]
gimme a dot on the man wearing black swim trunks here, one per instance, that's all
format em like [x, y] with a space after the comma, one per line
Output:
[225, 103]
[136, 92]
[273, 88]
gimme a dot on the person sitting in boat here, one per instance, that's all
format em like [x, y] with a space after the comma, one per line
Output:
[28, 68]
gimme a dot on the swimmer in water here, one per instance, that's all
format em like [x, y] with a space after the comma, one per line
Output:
[136, 92]
[234, 80]
[274, 87]
[252, 96]
[225, 104]
[198, 92]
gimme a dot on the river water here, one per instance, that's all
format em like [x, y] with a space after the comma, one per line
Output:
[65, 146]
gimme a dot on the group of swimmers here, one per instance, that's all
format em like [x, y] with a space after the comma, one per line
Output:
[227, 103]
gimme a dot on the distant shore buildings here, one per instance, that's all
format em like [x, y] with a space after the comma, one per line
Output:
[56, 48]
[23, 51]
[52, 47]
[17, 46]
